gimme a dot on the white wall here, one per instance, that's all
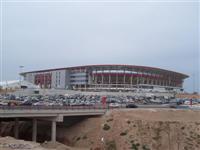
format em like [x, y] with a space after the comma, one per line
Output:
[58, 79]
[30, 77]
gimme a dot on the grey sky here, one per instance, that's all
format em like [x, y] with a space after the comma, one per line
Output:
[47, 35]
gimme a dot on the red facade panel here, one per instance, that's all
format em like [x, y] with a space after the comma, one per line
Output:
[44, 80]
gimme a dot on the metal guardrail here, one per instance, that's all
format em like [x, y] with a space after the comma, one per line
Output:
[52, 107]
[95, 107]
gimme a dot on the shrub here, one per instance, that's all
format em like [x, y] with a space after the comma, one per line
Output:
[144, 147]
[182, 128]
[106, 127]
[135, 146]
[111, 145]
[111, 119]
[123, 133]
[84, 137]
[78, 138]
[132, 141]
[198, 136]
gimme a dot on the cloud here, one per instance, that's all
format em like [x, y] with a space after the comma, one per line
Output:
[58, 36]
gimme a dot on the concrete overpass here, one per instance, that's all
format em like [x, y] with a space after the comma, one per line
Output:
[47, 113]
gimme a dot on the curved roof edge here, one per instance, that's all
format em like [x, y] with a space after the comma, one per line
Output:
[104, 65]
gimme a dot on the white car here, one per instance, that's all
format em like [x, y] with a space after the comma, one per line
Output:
[188, 102]
[114, 105]
[3, 103]
[41, 104]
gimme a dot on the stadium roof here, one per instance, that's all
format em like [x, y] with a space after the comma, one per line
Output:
[135, 67]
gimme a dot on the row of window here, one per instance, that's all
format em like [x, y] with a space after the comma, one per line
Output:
[80, 76]
[128, 72]
[78, 81]
[78, 70]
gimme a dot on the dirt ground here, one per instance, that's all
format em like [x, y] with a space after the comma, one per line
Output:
[124, 129]
[137, 129]
[9, 143]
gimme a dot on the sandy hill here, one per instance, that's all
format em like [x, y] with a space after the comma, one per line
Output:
[138, 129]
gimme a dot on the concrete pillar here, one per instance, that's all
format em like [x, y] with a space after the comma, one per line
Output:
[147, 80]
[53, 131]
[16, 128]
[102, 78]
[156, 81]
[34, 132]
[95, 80]
[131, 80]
[116, 81]
[93, 76]
[137, 82]
[109, 80]
[124, 80]
[102, 75]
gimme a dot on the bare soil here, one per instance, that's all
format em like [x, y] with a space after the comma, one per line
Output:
[137, 129]
[124, 129]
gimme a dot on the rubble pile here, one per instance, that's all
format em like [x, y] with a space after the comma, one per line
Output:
[9, 143]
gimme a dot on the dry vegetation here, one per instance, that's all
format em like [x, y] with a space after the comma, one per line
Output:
[138, 130]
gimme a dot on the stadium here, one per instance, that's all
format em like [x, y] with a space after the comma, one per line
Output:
[108, 78]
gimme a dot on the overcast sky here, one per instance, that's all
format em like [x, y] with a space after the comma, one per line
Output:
[41, 35]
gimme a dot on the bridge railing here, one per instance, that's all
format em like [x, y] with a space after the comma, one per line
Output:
[52, 107]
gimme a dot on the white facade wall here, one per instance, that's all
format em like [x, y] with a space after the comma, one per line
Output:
[30, 77]
[67, 79]
[58, 79]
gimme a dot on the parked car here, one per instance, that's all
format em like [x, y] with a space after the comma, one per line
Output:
[3, 104]
[114, 105]
[26, 103]
[131, 106]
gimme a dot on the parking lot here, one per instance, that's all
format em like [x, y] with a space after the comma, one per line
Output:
[81, 100]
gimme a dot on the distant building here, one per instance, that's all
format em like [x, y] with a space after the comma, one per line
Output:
[16, 84]
[108, 77]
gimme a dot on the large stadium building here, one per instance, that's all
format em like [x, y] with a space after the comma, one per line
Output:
[108, 77]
